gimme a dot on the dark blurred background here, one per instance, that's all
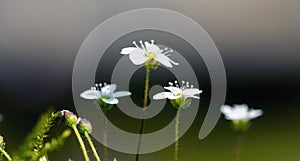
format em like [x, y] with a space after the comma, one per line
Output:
[259, 42]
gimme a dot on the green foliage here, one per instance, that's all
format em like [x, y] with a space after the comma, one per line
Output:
[37, 145]
[2, 146]
[35, 141]
[55, 143]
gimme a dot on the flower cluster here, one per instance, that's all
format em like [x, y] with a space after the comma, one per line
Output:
[179, 95]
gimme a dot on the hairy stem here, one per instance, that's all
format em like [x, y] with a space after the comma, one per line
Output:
[142, 123]
[238, 146]
[177, 135]
[146, 88]
[5, 154]
[85, 155]
[92, 146]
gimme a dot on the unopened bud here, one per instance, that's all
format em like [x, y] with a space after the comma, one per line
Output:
[69, 117]
[84, 125]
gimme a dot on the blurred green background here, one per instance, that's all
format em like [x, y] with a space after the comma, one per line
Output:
[258, 42]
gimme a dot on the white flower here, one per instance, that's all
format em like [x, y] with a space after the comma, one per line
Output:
[240, 112]
[140, 55]
[186, 91]
[106, 93]
[180, 96]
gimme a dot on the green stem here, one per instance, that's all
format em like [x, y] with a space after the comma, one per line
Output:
[177, 135]
[146, 87]
[105, 150]
[5, 154]
[86, 157]
[142, 123]
[238, 146]
[92, 146]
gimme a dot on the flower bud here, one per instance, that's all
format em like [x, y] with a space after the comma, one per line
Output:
[69, 117]
[84, 125]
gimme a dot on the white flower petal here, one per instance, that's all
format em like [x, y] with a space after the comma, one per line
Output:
[91, 94]
[255, 113]
[121, 93]
[240, 112]
[137, 56]
[191, 91]
[128, 50]
[174, 90]
[108, 89]
[110, 101]
[226, 110]
[197, 97]
[232, 118]
[147, 43]
[163, 59]
[171, 96]
[162, 95]
[152, 48]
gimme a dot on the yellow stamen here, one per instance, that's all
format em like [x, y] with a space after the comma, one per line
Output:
[151, 55]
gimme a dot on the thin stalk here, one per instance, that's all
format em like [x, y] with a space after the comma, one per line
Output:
[84, 152]
[105, 150]
[238, 146]
[5, 154]
[92, 146]
[146, 88]
[177, 135]
[142, 123]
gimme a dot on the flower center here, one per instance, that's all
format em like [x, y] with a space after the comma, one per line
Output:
[178, 94]
[105, 97]
[151, 55]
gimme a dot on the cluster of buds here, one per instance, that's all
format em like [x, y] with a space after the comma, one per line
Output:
[71, 119]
